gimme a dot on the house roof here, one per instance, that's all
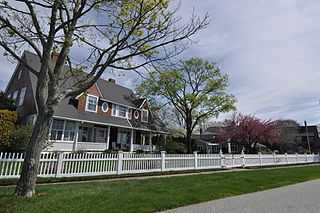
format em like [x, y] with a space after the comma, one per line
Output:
[110, 91]
[66, 109]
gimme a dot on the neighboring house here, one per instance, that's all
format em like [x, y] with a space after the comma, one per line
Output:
[106, 116]
[207, 143]
[314, 139]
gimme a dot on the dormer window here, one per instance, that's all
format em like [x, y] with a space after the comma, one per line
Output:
[145, 114]
[92, 103]
[120, 111]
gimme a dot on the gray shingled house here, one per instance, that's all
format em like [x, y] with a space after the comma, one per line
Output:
[106, 116]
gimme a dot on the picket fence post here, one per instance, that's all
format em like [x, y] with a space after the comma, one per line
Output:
[243, 159]
[120, 161]
[221, 158]
[195, 159]
[163, 161]
[287, 160]
[318, 157]
[305, 155]
[59, 164]
[274, 158]
[260, 158]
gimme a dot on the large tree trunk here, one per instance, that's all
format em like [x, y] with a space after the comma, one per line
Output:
[27, 182]
[189, 141]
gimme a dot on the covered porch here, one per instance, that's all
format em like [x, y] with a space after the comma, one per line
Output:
[66, 135]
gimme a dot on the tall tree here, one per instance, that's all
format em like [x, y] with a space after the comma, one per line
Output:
[196, 88]
[119, 34]
[248, 131]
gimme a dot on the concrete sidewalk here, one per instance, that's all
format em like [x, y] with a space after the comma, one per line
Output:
[298, 198]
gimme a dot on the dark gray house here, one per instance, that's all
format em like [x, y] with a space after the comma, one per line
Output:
[106, 116]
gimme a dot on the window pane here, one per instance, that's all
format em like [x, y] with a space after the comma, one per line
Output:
[114, 109]
[57, 124]
[92, 103]
[145, 115]
[122, 111]
[22, 94]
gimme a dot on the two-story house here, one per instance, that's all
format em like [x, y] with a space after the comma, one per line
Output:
[106, 116]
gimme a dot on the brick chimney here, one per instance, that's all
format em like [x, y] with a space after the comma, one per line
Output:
[112, 80]
[54, 56]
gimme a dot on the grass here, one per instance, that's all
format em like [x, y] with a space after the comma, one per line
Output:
[151, 195]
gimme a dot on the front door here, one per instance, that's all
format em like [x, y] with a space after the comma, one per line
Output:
[123, 139]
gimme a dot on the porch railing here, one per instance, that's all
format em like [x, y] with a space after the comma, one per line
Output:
[65, 164]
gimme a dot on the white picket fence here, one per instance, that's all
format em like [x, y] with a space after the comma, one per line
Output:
[90, 164]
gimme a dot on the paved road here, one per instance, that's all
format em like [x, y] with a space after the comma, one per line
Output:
[298, 198]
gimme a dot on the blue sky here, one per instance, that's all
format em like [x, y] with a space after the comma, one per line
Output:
[270, 49]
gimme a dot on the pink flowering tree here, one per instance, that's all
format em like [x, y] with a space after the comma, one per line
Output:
[248, 131]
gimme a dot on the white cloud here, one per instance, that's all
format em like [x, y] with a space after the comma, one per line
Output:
[270, 49]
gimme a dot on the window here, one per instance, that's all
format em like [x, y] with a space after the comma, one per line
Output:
[19, 73]
[22, 95]
[105, 107]
[69, 131]
[9, 96]
[130, 114]
[136, 114]
[57, 129]
[145, 115]
[122, 111]
[114, 110]
[14, 96]
[92, 103]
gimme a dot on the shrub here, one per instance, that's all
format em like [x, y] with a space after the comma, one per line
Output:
[173, 145]
[20, 138]
[8, 120]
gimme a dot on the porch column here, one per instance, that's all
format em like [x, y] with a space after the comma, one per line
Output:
[108, 137]
[131, 141]
[150, 142]
[229, 148]
[76, 137]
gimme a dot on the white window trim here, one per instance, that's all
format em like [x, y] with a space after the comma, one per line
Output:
[87, 103]
[107, 107]
[116, 114]
[19, 74]
[145, 110]
[136, 116]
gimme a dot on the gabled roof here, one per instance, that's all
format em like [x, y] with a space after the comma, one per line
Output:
[115, 93]
[110, 91]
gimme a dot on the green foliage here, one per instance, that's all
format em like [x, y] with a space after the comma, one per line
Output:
[6, 103]
[13, 138]
[173, 145]
[20, 138]
[196, 88]
[152, 195]
[8, 120]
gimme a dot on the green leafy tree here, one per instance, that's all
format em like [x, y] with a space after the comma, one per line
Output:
[119, 34]
[196, 88]
[6, 103]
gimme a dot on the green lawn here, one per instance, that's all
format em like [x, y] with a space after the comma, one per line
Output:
[152, 194]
